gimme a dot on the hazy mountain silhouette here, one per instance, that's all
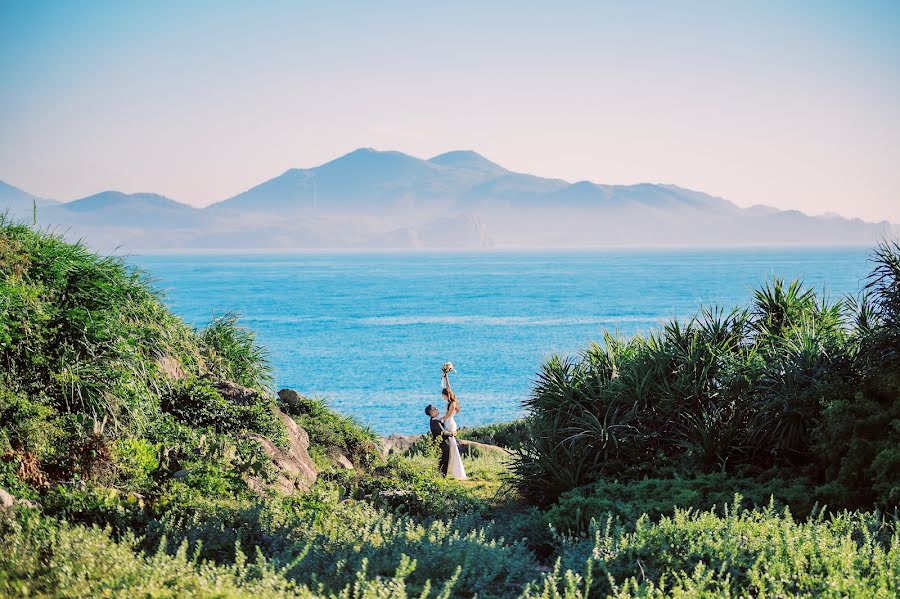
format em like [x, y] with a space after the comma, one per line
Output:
[20, 204]
[459, 199]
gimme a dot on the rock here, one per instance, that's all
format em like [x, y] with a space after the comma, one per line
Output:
[394, 494]
[290, 397]
[473, 448]
[338, 458]
[398, 443]
[297, 470]
[6, 500]
[171, 368]
[181, 473]
[235, 393]
[403, 443]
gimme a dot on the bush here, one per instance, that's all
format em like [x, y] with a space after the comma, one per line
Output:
[626, 502]
[83, 331]
[136, 461]
[795, 385]
[739, 553]
[27, 425]
[44, 558]
[232, 354]
[197, 403]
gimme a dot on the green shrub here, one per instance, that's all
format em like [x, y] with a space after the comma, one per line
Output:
[197, 403]
[232, 354]
[738, 553]
[83, 331]
[43, 558]
[136, 460]
[92, 504]
[408, 488]
[27, 425]
[795, 385]
[628, 501]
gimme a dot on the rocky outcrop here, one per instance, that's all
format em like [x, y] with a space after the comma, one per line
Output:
[171, 368]
[398, 444]
[338, 458]
[235, 393]
[473, 448]
[296, 470]
[7, 500]
[290, 398]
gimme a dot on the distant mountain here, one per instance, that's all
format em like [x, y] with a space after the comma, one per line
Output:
[467, 159]
[459, 199]
[20, 204]
[143, 210]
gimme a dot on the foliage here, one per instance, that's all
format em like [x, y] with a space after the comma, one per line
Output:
[739, 553]
[113, 426]
[795, 384]
[626, 502]
[197, 403]
[27, 424]
[231, 352]
[83, 332]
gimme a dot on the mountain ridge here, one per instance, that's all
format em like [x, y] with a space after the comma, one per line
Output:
[386, 198]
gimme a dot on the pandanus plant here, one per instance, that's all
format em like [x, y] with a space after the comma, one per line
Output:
[721, 389]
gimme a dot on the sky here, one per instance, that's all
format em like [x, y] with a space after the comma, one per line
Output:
[792, 104]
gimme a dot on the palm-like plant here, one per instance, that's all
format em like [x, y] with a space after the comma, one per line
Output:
[884, 282]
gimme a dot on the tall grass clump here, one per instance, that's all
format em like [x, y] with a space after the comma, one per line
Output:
[796, 385]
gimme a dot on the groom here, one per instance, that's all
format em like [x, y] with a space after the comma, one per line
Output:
[438, 432]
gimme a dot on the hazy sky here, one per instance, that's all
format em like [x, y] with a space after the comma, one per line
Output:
[794, 104]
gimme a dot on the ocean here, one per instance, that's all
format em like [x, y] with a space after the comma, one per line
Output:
[369, 332]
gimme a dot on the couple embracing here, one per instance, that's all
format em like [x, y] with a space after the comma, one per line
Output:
[443, 429]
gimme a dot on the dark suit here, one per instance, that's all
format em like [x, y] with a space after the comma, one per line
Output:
[439, 435]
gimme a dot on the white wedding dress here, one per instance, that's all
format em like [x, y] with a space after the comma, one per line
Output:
[455, 467]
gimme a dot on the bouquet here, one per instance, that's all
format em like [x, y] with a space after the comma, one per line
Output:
[448, 368]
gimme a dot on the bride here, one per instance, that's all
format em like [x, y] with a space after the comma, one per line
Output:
[455, 468]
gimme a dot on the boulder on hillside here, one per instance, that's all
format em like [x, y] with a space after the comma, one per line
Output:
[290, 398]
[398, 443]
[296, 470]
[402, 443]
[473, 448]
[235, 393]
[6, 500]
[338, 458]
[171, 368]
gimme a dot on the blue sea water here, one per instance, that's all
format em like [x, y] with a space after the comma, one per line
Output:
[370, 331]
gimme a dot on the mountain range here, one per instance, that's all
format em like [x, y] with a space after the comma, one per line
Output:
[460, 199]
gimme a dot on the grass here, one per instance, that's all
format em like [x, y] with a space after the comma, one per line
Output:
[487, 474]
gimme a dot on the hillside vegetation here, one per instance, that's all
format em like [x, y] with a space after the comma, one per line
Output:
[141, 457]
[797, 395]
